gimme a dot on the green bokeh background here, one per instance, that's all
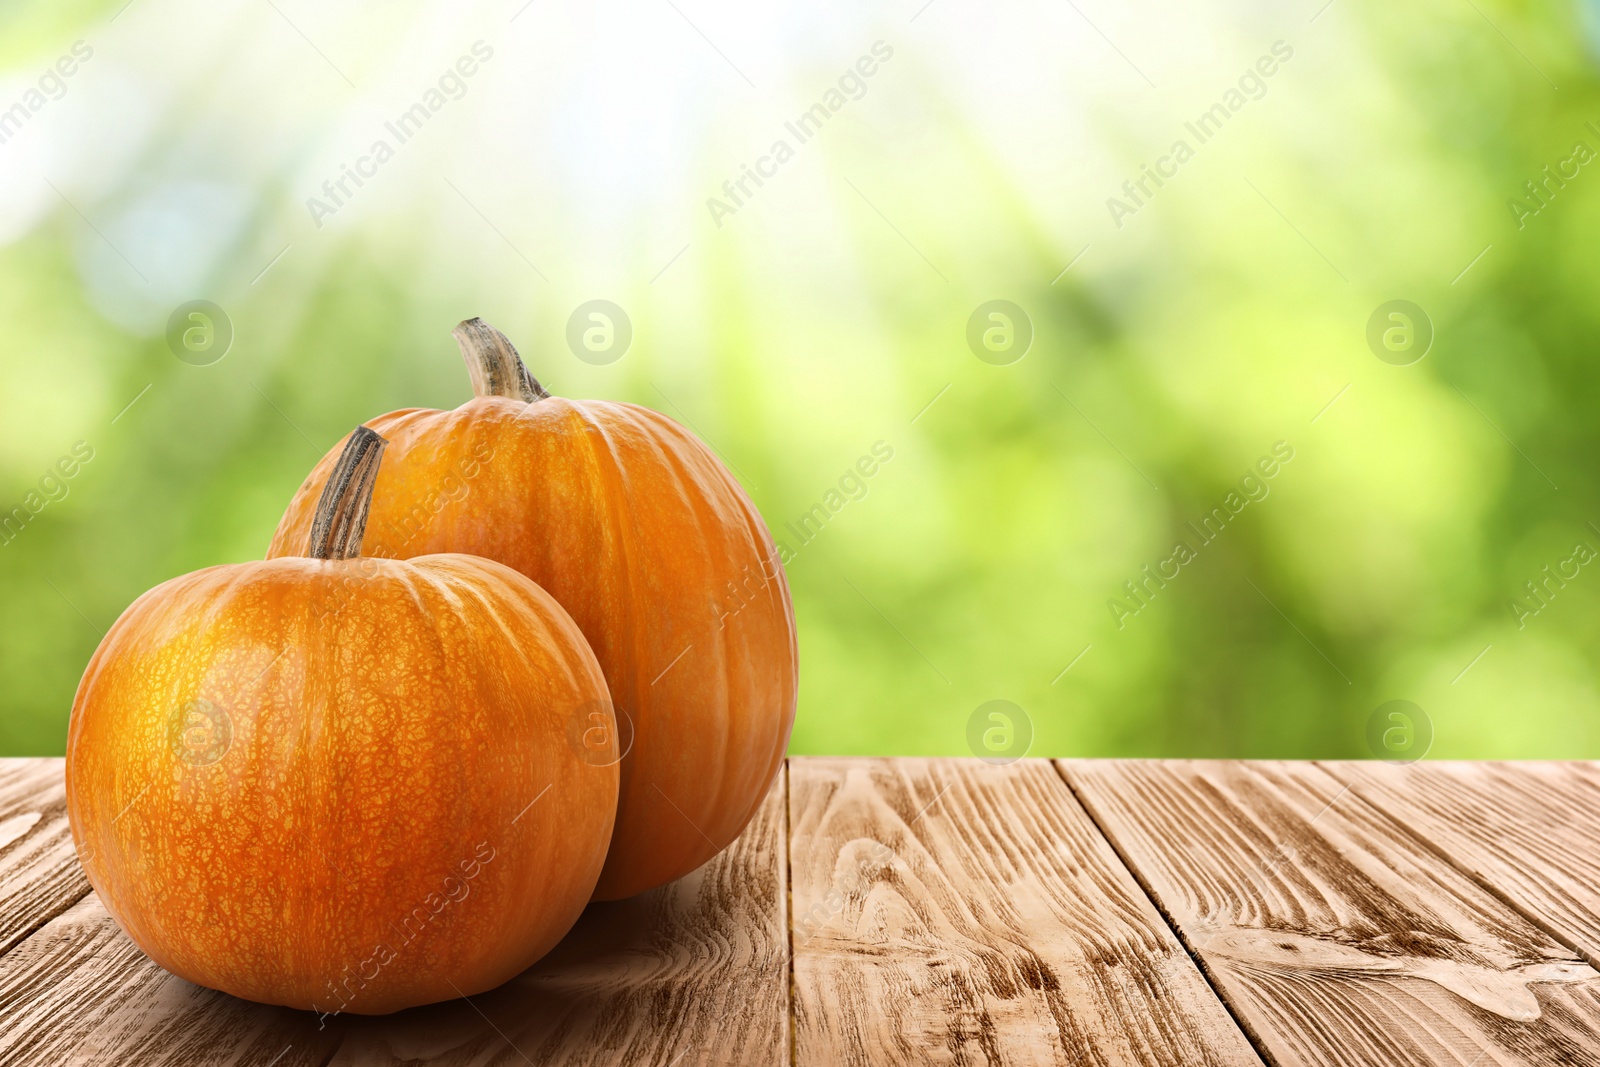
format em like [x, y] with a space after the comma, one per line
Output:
[830, 310]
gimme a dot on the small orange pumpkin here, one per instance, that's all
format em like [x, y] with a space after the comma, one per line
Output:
[342, 783]
[634, 526]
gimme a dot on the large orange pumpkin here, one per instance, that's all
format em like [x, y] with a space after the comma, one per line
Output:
[641, 533]
[339, 783]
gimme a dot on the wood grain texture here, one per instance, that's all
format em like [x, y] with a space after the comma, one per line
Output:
[1528, 831]
[946, 911]
[39, 873]
[696, 972]
[1336, 936]
[79, 992]
[950, 912]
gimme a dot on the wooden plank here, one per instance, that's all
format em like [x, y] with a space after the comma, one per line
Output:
[79, 992]
[952, 912]
[696, 972]
[1335, 935]
[692, 973]
[1530, 832]
[39, 873]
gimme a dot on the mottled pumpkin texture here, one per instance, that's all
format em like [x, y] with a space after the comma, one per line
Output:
[641, 534]
[342, 785]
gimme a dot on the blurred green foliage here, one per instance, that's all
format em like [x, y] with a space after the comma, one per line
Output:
[1229, 313]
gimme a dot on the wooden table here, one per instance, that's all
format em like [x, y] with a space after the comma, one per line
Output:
[888, 911]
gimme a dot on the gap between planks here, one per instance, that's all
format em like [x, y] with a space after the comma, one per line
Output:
[993, 921]
[1166, 916]
[787, 873]
[1329, 928]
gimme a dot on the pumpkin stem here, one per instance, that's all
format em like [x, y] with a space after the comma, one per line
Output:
[341, 519]
[493, 363]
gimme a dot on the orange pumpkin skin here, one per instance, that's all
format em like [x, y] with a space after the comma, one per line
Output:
[640, 532]
[342, 785]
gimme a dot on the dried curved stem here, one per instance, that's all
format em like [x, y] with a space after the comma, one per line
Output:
[493, 363]
[341, 518]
